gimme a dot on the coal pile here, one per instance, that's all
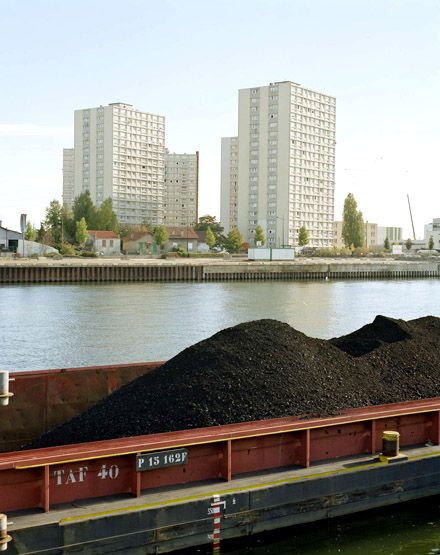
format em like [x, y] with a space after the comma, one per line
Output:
[366, 339]
[266, 369]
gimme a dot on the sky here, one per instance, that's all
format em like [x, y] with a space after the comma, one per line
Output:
[187, 60]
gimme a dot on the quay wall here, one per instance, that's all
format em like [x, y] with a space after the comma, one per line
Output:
[164, 271]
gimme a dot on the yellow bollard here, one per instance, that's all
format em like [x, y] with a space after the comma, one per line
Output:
[390, 444]
[390, 448]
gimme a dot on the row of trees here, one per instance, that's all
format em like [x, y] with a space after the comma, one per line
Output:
[234, 241]
[63, 228]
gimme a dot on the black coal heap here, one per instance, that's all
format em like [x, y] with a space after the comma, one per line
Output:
[266, 369]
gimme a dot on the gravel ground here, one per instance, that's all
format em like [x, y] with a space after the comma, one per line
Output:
[266, 369]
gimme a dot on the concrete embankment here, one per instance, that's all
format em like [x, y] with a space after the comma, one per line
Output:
[131, 270]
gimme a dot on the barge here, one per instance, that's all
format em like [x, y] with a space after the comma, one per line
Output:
[170, 491]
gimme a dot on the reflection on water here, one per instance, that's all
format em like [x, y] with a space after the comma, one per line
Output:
[50, 326]
[409, 529]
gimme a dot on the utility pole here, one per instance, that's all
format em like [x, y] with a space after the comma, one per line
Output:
[23, 228]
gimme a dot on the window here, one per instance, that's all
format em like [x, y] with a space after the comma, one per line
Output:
[111, 242]
[104, 242]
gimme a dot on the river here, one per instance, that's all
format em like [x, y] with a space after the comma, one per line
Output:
[52, 326]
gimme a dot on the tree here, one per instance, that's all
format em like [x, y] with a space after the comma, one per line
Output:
[40, 233]
[233, 241]
[30, 233]
[216, 228]
[127, 229]
[408, 244]
[210, 238]
[68, 225]
[431, 243]
[386, 244]
[160, 235]
[83, 207]
[81, 232]
[106, 219]
[303, 236]
[259, 235]
[353, 223]
[53, 221]
[361, 228]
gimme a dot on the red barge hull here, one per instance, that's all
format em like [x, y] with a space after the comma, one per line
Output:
[45, 478]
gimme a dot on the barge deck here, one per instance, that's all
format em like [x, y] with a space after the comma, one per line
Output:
[234, 480]
[162, 521]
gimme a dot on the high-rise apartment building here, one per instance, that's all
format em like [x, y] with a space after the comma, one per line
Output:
[229, 183]
[181, 189]
[119, 154]
[286, 163]
[68, 176]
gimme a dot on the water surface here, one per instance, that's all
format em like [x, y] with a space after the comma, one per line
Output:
[52, 326]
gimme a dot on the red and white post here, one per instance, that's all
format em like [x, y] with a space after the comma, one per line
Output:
[215, 510]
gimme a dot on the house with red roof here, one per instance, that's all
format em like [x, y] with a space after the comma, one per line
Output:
[103, 242]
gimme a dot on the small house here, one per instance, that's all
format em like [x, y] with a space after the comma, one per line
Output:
[103, 242]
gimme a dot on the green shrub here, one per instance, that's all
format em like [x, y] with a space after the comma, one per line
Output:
[68, 249]
[88, 254]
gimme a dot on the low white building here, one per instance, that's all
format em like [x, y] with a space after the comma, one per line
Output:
[433, 230]
[9, 239]
[105, 242]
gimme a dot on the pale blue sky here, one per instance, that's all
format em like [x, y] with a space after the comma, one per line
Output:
[187, 60]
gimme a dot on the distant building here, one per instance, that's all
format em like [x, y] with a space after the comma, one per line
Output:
[370, 234]
[12, 242]
[229, 183]
[416, 244]
[9, 239]
[374, 235]
[105, 242]
[394, 235]
[181, 189]
[119, 154]
[433, 229]
[138, 243]
[68, 176]
[286, 164]
[182, 237]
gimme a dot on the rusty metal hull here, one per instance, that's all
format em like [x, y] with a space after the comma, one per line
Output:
[40, 481]
[187, 523]
[44, 399]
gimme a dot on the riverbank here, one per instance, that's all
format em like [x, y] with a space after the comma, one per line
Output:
[201, 270]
